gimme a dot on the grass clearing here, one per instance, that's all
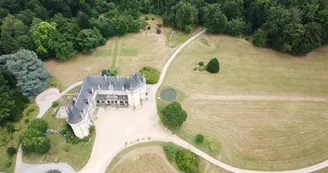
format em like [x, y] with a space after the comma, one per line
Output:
[204, 41]
[129, 52]
[77, 155]
[101, 53]
[286, 135]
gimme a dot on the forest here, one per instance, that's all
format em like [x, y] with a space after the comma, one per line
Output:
[34, 30]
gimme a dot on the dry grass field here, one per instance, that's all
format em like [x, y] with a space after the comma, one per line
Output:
[150, 158]
[128, 53]
[258, 135]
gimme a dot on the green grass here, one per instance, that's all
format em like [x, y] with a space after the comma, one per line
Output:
[12, 140]
[129, 52]
[115, 53]
[204, 41]
[78, 154]
[55, 83]
[103, 53]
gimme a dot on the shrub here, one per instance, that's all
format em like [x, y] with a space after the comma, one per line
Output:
[201, 63]
[199, 138]
[187, 161]
[112, 71]
[26, 120]
[173, 115]
[9, 163]
[53, 171]
[11, 151]
[29, 133]
[76, 140]
[188, 28]
[151, 74]
[212, 144]
[17, 127]
[54, 104]
[159, 25]
[148, 27]
[146, 18]
[36, 144]
[158, 30]
[92, 129]
[201, 68]
[213, 66]
[195, 68]
[38, 124]
[260, 38]
[170, 150]
[152, 18]
[10, 127]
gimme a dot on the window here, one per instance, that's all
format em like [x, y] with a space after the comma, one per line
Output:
[98, 101]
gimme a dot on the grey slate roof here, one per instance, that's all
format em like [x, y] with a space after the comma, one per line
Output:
[102, 83]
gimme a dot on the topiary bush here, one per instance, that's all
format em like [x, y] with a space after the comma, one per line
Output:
[170, 150]
[146, 18]
[38, 124]
[54, 104]
[199, 138]
[187, 161]
[151, 74]
[213, 66]
[173, 115]
[152, 18]
[148, 27]
[10, 127]
[201, 63]
[11, 151]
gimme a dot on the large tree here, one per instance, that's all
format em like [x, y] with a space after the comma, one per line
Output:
[88, 39]
[41, 36]
[173, 115]
[215, 21]
[32, 77]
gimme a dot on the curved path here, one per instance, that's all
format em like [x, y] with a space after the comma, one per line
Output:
[135, 127]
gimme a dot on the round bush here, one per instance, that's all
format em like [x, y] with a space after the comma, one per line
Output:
[54, 104]
[36, 144]
[152, 18]
[38, 124]
[11, 151]
[146, 18]
[148, 27]
[201, 63]
[27, 120]
[199, 138]
[187, 161]
[213, 66]
[10, 127]
[195, 68]
[151, 74]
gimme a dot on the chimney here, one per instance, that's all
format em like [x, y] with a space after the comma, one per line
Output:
[105, 77]
[117, 78]
[98, 86]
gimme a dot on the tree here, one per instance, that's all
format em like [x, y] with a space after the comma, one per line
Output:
[10, 127]
[186, 14]
[199, 138]
[214, 20]
[32, 77]
[236, 26]
[187, 161]
[26, 16]
[38, 124]
[173, 115]
[29, 133]
[11, 151]
[88, 39]
[11, 29]
[233, 9]
[151, 74]
[62, 47]
[260, 38]
[213, 66]
[170, 150]
[36, 144]
[41, 36]
[83, 20]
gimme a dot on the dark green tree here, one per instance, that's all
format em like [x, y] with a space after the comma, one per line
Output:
[88, 39]
[173, 115]
[235, 26]
[260, 38]
[213, 66]
[233, 9]
[199, 138]
[10, 127]
[11, 151]
[214, 20]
